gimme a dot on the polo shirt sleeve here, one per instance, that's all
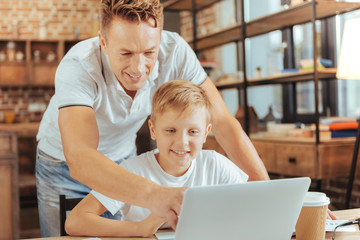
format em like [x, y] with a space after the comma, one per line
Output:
[74, 85]
[187, 64]
[112, 205]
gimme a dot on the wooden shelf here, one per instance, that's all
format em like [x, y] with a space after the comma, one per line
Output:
[185, 5]
[30, 72]
[295, 15]
[302, 76]
[226, 35]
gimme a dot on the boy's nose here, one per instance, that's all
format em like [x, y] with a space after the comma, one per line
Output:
[182, 138]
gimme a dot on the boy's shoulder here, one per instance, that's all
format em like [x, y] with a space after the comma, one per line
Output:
[210, 154]
[139, 161]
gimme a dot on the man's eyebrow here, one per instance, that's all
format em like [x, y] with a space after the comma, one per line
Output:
[128, 50]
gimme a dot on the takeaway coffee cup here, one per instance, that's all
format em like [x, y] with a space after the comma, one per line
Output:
[311, 222]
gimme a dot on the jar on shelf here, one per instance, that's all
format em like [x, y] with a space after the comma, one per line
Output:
[2, 56]
[37, 55]
[19, 56]
[10, 50]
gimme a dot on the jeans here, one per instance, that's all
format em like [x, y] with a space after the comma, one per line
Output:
[53, 179]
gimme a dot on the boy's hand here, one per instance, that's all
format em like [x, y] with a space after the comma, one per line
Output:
[150, 225]
[166, 202]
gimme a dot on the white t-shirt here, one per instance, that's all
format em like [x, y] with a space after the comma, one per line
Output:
[84, 77]
[208, 168]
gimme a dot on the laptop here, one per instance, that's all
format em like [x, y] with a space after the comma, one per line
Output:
[249, 211]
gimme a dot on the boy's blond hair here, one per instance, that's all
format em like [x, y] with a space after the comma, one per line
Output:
[181, 95]
[131, 10]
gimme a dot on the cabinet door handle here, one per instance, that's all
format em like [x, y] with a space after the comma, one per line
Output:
[292, 160]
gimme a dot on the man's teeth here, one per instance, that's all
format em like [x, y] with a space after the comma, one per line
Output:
[134, 76]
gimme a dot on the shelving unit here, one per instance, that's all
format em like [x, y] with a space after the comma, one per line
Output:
[320, 165]
[295, 15]
[31, 70]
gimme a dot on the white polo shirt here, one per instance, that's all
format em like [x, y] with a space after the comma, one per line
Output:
[84, 77]
[208, 168]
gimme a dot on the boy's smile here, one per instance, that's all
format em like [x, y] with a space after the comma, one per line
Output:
[179, 138]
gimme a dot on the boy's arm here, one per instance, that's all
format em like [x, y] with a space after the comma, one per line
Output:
[80, 139]
[232, 138]
[85, 220]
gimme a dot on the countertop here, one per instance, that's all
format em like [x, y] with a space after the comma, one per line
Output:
[22, 129]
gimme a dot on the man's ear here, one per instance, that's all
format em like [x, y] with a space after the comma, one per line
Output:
[208, 129]
[102, 41]
[152, 130]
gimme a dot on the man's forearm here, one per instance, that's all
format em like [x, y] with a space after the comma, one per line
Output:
[239, 148]
[93, 169]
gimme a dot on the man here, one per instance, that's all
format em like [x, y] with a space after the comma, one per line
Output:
[103, 91]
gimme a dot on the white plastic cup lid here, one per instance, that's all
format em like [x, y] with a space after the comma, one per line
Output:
[315, 199]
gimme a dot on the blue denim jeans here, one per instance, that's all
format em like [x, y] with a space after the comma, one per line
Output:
[53, 179]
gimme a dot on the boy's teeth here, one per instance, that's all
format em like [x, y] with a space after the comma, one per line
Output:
[178, 152]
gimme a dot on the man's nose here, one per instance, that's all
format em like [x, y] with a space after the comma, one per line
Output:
[137, 64]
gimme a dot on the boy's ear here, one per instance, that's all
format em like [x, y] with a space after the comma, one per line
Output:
[152, 130]
[208, 129]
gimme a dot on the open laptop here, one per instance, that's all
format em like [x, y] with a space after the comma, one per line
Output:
[249, 211]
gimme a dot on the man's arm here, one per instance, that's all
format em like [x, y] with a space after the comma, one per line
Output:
[232, 138]
[85, 220]
[80, 139]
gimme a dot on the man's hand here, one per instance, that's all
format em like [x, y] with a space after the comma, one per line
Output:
[166, 202]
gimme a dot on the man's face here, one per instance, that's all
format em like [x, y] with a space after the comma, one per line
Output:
[132, 49]
[179, 138]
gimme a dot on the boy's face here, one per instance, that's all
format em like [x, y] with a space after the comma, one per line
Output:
[179, 138]
[132, 49]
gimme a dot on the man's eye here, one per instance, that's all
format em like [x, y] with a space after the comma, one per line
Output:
[125, 54]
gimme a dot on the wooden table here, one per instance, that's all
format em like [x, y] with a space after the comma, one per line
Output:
[343, 214]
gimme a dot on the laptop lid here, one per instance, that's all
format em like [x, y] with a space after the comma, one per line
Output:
[249, 211]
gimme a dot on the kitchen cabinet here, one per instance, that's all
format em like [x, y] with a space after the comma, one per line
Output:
[9, 194]
[31, 62]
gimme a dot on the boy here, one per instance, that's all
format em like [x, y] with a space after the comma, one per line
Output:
[180, 123]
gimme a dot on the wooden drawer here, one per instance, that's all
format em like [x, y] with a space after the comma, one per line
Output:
[296, 160]
[335, 160]
[266, 152]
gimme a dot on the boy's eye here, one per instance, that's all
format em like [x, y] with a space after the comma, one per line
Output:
[170, 130]
[193, 132]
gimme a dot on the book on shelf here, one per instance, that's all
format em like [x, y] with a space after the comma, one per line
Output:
[332, 134]
[343, 133]
[337, 126]
[338, 119]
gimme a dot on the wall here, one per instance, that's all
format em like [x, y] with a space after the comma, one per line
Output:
[28, 103]
[62, 18]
